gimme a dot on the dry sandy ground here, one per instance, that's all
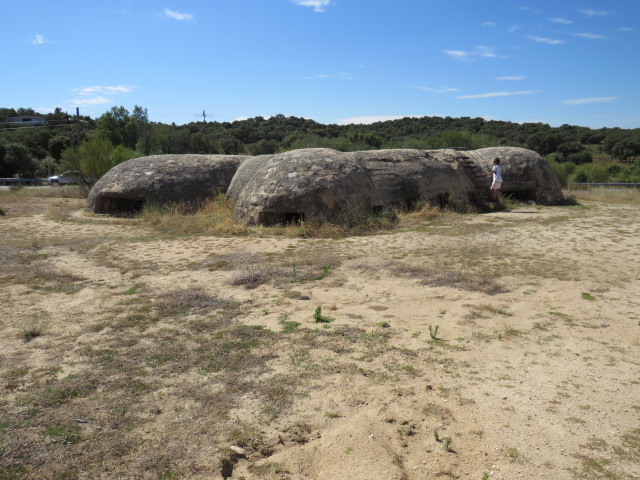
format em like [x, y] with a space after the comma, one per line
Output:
[534, 371]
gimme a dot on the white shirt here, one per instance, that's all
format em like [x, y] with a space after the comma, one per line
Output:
[497, 173]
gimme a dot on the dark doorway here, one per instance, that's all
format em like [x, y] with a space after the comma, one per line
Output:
[117, 205]
[282, 218]
[523, 195]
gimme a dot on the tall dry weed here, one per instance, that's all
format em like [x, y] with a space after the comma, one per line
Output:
[630, 196]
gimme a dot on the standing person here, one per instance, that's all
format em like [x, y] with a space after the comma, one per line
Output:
[496, 171]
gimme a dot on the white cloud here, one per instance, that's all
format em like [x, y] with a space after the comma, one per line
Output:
[561, 20]
[104, 90]
[500, 94]
[438, 89]
[550, 41]
[175, 15]
[470, 56]
[318, 5]
[489, 24]
[591, 36]
[512, 78]
[624, 29]
[595, 13]
[39, 40]
[368, 119]
[80, 102]
[582, 101]
[340, 76]
[513, 28]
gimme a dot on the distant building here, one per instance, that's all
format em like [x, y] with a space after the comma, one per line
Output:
[28, 120]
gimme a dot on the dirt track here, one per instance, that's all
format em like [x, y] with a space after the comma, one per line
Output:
[534, 371]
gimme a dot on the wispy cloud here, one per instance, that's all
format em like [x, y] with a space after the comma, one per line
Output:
[39, 39]
[624, 29]
[339, 76]
[438, 89]
[83, 102]
[512, 78]
[596, 13]
[175, 15]
[590, 36]
[513, 28]
[582, 101]
[318, 5]
[470, 56]
[97, 95]
[489, 24]
[499, 94]
[368, 119]
[103, 90]
[550, 41]
[560, 20]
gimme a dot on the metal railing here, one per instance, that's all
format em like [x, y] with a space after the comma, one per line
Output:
[617, 185]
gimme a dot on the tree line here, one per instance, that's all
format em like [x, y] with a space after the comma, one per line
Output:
[576, 153]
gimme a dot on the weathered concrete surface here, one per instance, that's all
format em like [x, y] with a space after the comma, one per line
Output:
[162, 179]
[311, 183]
[245, 173]
[525, 173]
[402, 177]
[318, 183]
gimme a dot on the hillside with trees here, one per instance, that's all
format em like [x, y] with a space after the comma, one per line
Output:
[578, 154]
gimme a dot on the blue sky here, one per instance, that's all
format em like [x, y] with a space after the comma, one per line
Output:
[335, 61]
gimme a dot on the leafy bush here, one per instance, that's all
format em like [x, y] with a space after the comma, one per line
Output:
[562, 169]
[590, 173]
[580, 157]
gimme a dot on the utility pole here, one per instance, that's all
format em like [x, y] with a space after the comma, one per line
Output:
[78, 125]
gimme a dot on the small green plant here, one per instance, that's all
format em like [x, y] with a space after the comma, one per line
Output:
[31, 328]
[318, 317]
[447, 443]
[436, 435]
[294, 269]
[325, 270]
[587, 296]
[513, 453]
[433, 332]
[383, 324]
[485, 476]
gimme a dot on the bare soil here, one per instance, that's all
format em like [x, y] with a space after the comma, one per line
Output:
[501, 346]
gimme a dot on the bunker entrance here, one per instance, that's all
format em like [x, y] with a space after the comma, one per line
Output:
[117, 205]
[282, 218]
[523, 195]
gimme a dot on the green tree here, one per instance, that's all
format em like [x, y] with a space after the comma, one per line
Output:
[16, 159]
[57, 145]
[93, 158]
[567, 148]
[543, 142]
[120, 128]
[626, 150]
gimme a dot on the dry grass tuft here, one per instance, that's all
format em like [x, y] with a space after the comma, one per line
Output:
[629, 196]
[438, 277]
[188, 300]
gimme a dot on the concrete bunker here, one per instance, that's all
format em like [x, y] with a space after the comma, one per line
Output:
[162, 180]
[319, 184]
